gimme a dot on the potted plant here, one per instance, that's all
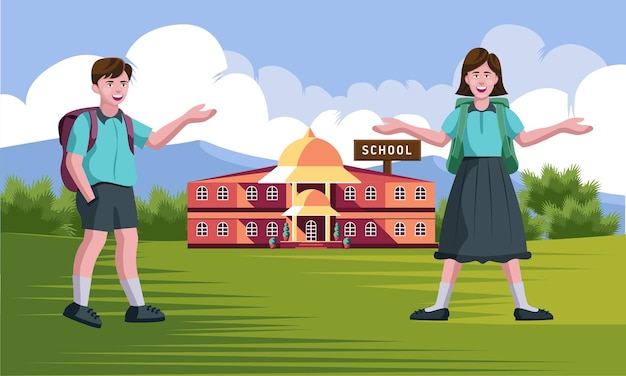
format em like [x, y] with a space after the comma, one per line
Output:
[346, 243]
[273, 243]
[286, 231]
[336, 232]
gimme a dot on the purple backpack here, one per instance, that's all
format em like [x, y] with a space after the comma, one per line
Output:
[65, 126]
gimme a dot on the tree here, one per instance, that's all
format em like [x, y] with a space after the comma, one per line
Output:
[286, 231]
[570, 208]
[336, 231]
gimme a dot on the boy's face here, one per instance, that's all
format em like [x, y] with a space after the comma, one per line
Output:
[112, 90]
[481, 81]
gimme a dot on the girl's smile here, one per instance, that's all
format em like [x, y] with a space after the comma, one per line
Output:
[481, 81]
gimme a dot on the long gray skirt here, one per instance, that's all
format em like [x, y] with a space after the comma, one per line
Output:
[482, 221]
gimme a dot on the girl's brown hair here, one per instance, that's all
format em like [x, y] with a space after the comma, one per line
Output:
[474, 59]
[109, 67]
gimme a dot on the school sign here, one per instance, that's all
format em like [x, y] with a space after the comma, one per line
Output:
[387, 151]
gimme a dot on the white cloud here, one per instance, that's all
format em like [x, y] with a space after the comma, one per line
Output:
[600, 99]
[261, 117]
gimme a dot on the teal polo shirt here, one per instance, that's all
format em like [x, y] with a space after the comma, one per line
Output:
[110, 159]
[482, 134]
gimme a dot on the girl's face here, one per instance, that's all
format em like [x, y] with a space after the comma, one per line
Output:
[481, 81]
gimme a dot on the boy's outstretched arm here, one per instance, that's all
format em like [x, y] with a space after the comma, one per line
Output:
[541, 134]
[393, 125]
[160, 138]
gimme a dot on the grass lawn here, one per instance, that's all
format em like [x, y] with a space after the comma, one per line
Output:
[298, 311]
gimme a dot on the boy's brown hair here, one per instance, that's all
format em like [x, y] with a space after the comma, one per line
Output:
[109, 67]
[474, 59]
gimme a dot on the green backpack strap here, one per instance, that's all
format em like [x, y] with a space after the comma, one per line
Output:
[456, 149]
[508, 149]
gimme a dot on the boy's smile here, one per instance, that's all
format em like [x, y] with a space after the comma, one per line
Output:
[112, 90]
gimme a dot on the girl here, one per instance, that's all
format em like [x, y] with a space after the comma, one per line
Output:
[482, 221]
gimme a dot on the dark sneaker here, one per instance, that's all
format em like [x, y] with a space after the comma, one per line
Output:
[523, 314]
[439, 314]
[82, 314]
[144, 313]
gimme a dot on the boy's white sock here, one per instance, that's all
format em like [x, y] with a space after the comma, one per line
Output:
[443, 297]
[519, 297]
[132, 289]
[82, 286]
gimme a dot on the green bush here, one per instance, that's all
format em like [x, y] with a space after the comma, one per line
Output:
[441, 209]
[569, 208]
[162, 217]
[30, 209]
[35, 209]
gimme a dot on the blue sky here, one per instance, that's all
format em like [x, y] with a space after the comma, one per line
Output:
[332, 44]
[336, 67]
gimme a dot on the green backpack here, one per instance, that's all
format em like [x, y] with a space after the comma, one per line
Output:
[456, 149]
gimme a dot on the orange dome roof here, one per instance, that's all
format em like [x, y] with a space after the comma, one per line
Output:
[309, 160]
[311, 197]
[311, 202]
[310, 151]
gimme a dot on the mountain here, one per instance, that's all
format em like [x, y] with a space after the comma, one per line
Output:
[174, 166]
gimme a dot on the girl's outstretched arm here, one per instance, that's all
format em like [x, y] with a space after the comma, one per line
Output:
[535, 136]
[393, 125]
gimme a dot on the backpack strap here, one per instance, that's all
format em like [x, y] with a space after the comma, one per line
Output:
[130, 132]
[93, 131]
[501, 122]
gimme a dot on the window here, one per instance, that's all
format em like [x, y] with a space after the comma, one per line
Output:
[251, 229]
[349, 194]
[271, 193]
[399, 193]
[370, 193]
[370, 229]
[202, 194]
[399, 229]
[202, 229]
[222, 229]
[222, 193]
[252, 194]
[349, 229]
[420, 193]
[311, 231]
[272, 229]
[420, 229]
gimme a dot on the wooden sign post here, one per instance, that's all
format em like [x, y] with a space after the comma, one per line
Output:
[387, 151]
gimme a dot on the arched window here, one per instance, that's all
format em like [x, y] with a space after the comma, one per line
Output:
[370, 229]
[399, 229]
[420, 193]
[399, 193]
[251, 193]
[272, 193]
[202, 194]
[251, 229]
[272, 229]
[310, 230]
[349, 229]
[420, 229]
[202, 229]
[349, 194]
[222, 193]
[222, 229]
[370, 193]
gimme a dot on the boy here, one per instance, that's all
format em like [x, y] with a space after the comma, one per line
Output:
[105, 199]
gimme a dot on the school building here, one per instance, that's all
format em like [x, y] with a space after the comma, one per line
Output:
[306, 199]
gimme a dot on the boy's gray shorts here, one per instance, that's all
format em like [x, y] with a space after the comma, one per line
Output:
[113, 208]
